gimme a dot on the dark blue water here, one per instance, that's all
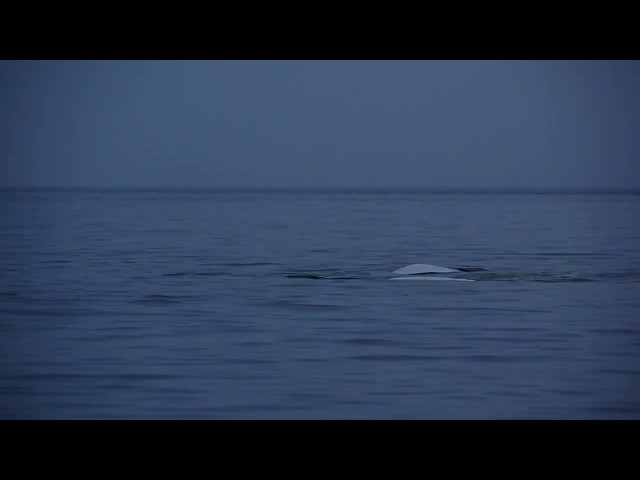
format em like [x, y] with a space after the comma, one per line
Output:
[178, 304]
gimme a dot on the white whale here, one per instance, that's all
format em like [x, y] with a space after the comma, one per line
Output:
[418, 268]
[416, 271]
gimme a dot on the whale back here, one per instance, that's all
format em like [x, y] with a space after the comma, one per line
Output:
[419, 268]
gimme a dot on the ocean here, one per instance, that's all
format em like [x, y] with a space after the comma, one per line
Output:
[260, 304]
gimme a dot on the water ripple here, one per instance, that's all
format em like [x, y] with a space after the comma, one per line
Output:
[391, 357]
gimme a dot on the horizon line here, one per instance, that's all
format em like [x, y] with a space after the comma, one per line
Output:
[326, 188]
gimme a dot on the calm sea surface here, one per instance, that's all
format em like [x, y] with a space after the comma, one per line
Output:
[278, 305]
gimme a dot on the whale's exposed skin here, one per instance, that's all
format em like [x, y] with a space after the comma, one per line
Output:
[420, 271]
[419, 268]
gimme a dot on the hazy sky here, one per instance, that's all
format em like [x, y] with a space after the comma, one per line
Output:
[318, 123]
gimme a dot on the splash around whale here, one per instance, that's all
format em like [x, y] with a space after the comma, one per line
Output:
[422, 271]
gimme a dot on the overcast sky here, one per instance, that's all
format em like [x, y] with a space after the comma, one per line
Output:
[442, 124]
